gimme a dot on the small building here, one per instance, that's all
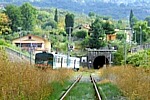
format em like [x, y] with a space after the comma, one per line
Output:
[32, 42]
[111, 37]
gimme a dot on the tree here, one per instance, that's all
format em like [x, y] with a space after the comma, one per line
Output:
[96, 39]
[69, 22]
[141, 32]
[14, 14]
[120, 36]
[91, 14]
[148, 20]
[81, 34]
[4, 24]
[131, 19]
[56, 16]
[29, 16]
[51, 24]
[108, 27]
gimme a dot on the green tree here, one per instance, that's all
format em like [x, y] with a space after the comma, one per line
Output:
[51, 24]
[96, 39]
[91, 14]
[29, 16]
[141, 31]
[81, 34]
[148, 20]
[118, 56]
[56, 16]
[108, 27]
[14, 14]
[120, 35]
[131, 18]
[69, 22]
[4, 24]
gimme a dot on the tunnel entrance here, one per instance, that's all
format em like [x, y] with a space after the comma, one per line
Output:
[100, 61]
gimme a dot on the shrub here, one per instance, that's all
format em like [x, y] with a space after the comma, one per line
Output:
[134, 82]
[139, 59]
[21, 81]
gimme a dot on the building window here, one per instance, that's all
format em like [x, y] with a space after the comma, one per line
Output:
[39, 45]
[109, 37]
[29, 37]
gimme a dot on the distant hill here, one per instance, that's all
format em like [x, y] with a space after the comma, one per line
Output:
[117, 9]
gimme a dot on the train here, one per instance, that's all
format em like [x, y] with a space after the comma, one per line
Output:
[51, 60]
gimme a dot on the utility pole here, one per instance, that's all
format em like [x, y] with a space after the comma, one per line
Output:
[69, 40]
[125, 49]
[125, 44]
[19, 29]
[30, 53]
[135, 36]
[140, 35]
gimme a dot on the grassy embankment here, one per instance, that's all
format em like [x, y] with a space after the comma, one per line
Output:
[134, 82]
[20, 81]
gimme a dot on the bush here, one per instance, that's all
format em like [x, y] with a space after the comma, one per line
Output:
[20, 81]
[139, 59]
[81, 34]
[134, 82]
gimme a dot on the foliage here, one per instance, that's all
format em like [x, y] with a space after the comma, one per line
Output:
[4, 24]
[22, 81]
[139, 59]
[108, 27]
[110, 91]
[96, 32]
[81, 34]
[133, 82]
[69, 23]
[91, 14]
[148, 20]
[57, 88]
[116, 9]
[86, 88]
[120, 35]
[56, 16]
[131, 19]
[14, 14]
[118, 56]
[28, 16]
[141, 32]
[49, 25]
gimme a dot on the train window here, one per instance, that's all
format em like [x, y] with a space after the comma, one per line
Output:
[71, 61]
[59, 60]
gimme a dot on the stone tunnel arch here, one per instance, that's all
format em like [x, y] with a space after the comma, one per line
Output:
[100, 61]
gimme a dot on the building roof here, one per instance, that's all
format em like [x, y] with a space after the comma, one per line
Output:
[31, 40]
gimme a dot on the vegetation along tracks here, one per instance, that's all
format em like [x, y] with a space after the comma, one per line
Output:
[84, 87]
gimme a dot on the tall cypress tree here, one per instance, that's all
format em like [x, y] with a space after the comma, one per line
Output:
[131, 21]
[69, 22]
[56, 16]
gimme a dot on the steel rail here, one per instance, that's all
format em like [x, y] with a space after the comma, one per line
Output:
[65, 94]
[95, 87]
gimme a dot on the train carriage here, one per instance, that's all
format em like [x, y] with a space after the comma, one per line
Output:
[54, 61]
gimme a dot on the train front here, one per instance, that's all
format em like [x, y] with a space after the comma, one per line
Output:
[44, 60]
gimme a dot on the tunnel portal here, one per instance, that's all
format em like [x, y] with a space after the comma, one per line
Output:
[97, 58]
[100, 61]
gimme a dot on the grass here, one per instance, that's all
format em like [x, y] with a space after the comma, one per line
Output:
[134, 82]
[110, 91]
[57, 89]
[82, 91]
[20, 81]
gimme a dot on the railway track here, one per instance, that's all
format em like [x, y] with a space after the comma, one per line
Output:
[80, 79]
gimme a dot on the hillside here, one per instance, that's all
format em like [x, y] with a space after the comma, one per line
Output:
[117, 9]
